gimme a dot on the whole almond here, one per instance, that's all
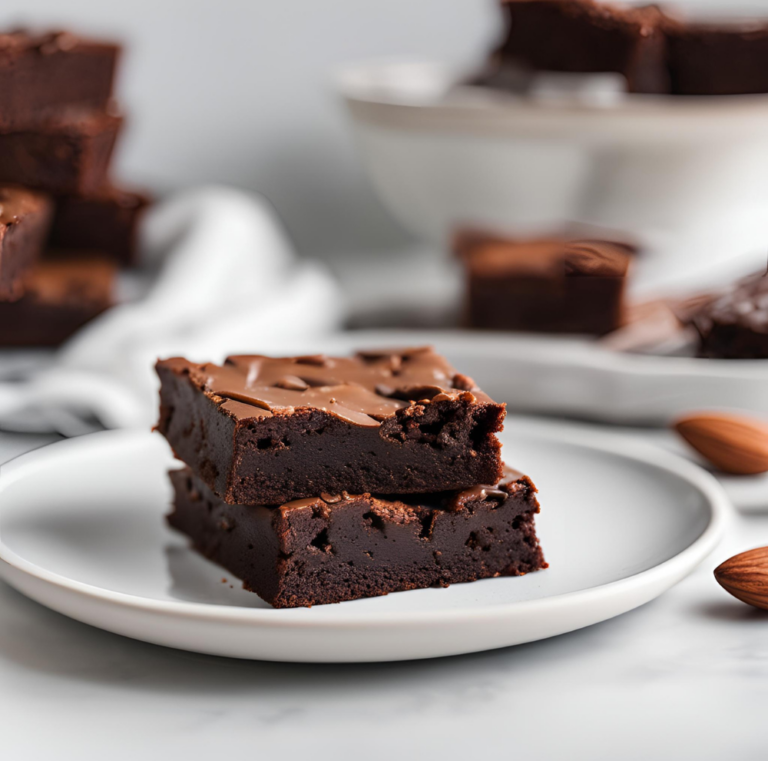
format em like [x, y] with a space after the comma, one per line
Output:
[745, 576]
[732, 443]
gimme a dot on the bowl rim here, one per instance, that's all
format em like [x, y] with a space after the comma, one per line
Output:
[380, 93]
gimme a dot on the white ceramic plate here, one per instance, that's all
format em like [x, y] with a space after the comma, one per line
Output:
[82, 531]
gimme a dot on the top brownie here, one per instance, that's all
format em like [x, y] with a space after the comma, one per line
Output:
[589, 37]
[261, 430]
[42, 74]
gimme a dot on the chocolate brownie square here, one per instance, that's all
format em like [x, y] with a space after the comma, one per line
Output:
[63, 155]
[588, 37]
[544, 285]
[42, 75]
[261, 430]
[25, 217]
[720, 56]
[105, 223]
[343, 547]
[60, 298]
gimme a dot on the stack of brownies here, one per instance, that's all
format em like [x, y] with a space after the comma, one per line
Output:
[685, 50]
[318, 479]
[63, 227]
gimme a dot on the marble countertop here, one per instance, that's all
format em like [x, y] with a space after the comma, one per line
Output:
[685, 676]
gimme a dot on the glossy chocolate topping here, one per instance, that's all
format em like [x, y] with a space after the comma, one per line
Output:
[16, 202]
[363, 390]
[550, 258]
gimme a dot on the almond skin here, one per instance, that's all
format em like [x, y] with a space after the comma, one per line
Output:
[745, 576]
[731, 443]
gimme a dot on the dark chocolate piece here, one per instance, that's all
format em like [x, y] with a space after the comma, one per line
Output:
[547, 285]
[588, 37]
[105, 223]
[60, 298]
[68, 155]
[44, 74]
[734, 324]
[342, 547]
[722, 56]
[386, 421]
[25, 217]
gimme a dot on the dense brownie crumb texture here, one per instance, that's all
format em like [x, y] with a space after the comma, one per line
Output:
[321, 479]
[343, 547]
[59, 126]
[656, 49]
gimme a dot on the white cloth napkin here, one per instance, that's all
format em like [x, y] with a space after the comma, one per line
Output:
[227, 281]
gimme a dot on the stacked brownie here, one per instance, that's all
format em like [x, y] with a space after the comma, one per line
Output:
[655, 50]
[63, 227]
[318, 479]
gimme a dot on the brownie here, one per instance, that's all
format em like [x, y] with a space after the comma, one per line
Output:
[734, 324]
[43, 74]
[25, 217]
[60, 298]
[62, 155]
[588, 37]
[727, 56]
[544, 285]
[343, 547]
[261, 430]
[105, 223]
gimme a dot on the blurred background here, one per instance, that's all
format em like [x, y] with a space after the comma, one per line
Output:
[241, 92]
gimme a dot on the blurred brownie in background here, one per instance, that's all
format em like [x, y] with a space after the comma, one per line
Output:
[585, 36]
[44, 74]
[65, 154]
[60, 297]
[718, 57]
[545, 285]
[105, 223]
[25, 217]
[734, 324]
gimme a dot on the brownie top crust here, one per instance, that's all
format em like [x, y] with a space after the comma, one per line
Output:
[17, 202]
[744, 304]
[555, 258]
[21, 41]
[364, 390]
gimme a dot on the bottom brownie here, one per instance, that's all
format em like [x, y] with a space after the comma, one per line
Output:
[61, 297]
[344, 547]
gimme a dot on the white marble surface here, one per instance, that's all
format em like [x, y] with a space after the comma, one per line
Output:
[683, 677]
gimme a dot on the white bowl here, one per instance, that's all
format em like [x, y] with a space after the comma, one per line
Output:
[685, 176]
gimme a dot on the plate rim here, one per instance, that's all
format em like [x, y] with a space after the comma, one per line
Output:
[676, 567]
